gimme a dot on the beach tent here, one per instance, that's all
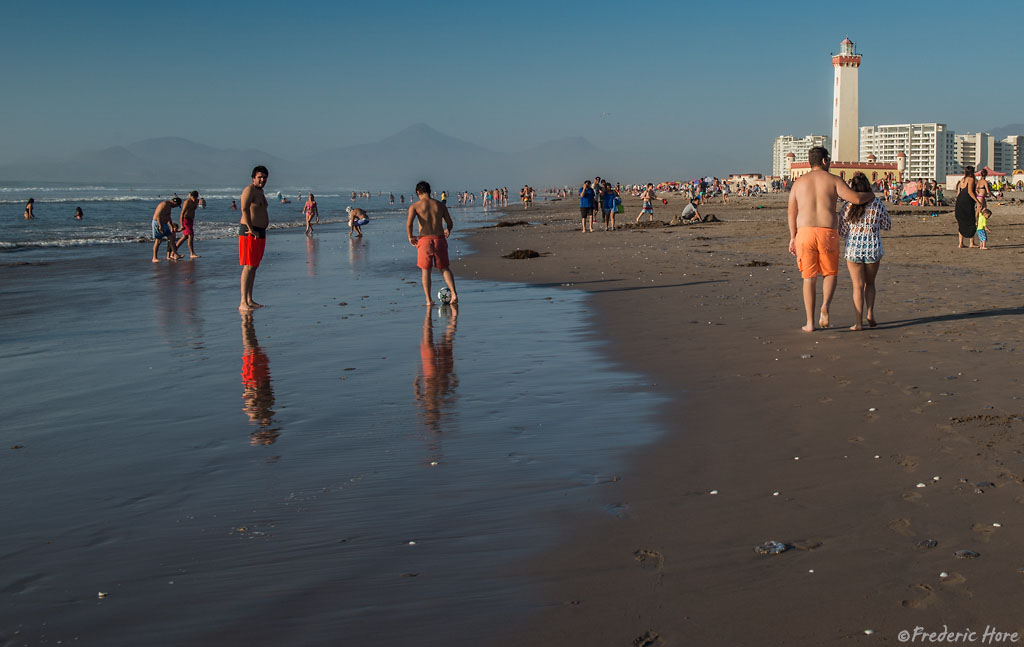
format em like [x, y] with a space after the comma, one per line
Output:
[910, 190]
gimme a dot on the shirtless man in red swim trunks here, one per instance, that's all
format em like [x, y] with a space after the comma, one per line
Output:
[188, 218]
[813, 234]
[252, 234]
[432, 243]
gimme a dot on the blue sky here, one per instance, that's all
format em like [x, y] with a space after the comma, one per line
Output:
[712, 83]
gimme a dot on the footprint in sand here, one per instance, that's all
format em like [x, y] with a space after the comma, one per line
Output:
[927, 594]
[901, 526]
[984, 530]
[908, 463]
[911, 496]
[824, 399]
[650, 560]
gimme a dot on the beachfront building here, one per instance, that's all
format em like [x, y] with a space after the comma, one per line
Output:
[928, 148]
[982, 149]
[874, 170]
[846, 65]
[786, 144]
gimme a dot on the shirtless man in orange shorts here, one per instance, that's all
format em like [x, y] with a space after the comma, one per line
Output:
[432, 243]
[813, 235]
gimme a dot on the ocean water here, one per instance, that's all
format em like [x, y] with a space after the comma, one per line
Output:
[115, 214]
[346, 466]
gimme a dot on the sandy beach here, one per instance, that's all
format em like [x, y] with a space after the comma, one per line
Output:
[848, 447]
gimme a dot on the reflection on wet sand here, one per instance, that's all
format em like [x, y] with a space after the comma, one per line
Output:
[311, 244]
[356, 252]
[434, 387]
[256, 389]
[177, 305]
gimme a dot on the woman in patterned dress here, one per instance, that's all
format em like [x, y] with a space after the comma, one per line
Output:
[862, 227]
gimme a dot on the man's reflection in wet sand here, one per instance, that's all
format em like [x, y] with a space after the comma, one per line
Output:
[357, 252]
[256, 389]
[177, 305]
[434, 387]
[311, 256]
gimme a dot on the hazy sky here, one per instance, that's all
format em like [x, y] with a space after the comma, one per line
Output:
[712, 83]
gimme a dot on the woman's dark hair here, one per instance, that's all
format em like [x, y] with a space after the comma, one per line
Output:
[31, 201]
[859, 182]
[968, 171]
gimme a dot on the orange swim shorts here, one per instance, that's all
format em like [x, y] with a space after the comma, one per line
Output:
[432, 251]
[817, 251]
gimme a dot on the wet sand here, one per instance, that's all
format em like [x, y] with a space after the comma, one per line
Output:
[849, 447]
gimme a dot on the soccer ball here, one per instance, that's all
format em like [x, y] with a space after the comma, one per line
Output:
[444, 295]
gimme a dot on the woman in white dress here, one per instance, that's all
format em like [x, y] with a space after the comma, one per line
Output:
[862, 225]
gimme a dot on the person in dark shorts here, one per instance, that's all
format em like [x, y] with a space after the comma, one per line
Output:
[588, 202]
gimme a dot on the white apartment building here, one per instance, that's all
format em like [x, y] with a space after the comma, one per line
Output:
[929, 148]
[799, 147]
[1017, 142]
[981, 149]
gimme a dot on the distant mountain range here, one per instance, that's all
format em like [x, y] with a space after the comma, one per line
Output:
[418, 152]
[1002, 132]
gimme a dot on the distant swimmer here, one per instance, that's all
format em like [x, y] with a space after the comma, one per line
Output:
[435, 225]
[234, 206]
[353, 196]
[188, 223]
[252, 235]
[402, 198]
[311, 211]
[162, 228]
[356, 219]
[391, 198]
[29, 215]
[78, 213]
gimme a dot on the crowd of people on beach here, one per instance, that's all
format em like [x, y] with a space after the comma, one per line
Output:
[431, 216]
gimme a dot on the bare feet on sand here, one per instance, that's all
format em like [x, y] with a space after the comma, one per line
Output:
[857, 327]
[194, 256]
[823, 318]
[807, 328]
[872, 323]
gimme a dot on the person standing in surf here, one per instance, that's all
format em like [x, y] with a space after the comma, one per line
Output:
[188, 223]
[162, 228]
[252, 235]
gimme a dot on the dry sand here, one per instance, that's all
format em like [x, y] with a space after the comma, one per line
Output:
[850, 447]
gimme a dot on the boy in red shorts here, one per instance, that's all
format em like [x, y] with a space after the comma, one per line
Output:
[432, 243]
[252, 235]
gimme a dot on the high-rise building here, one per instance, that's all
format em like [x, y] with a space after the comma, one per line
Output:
[788, 144]
[1017, 142]
[982, 149]
[844, 104]
[929, 148]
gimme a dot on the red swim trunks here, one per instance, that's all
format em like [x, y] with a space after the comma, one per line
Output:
[432, 251]
[188, 227]
[251, 248]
